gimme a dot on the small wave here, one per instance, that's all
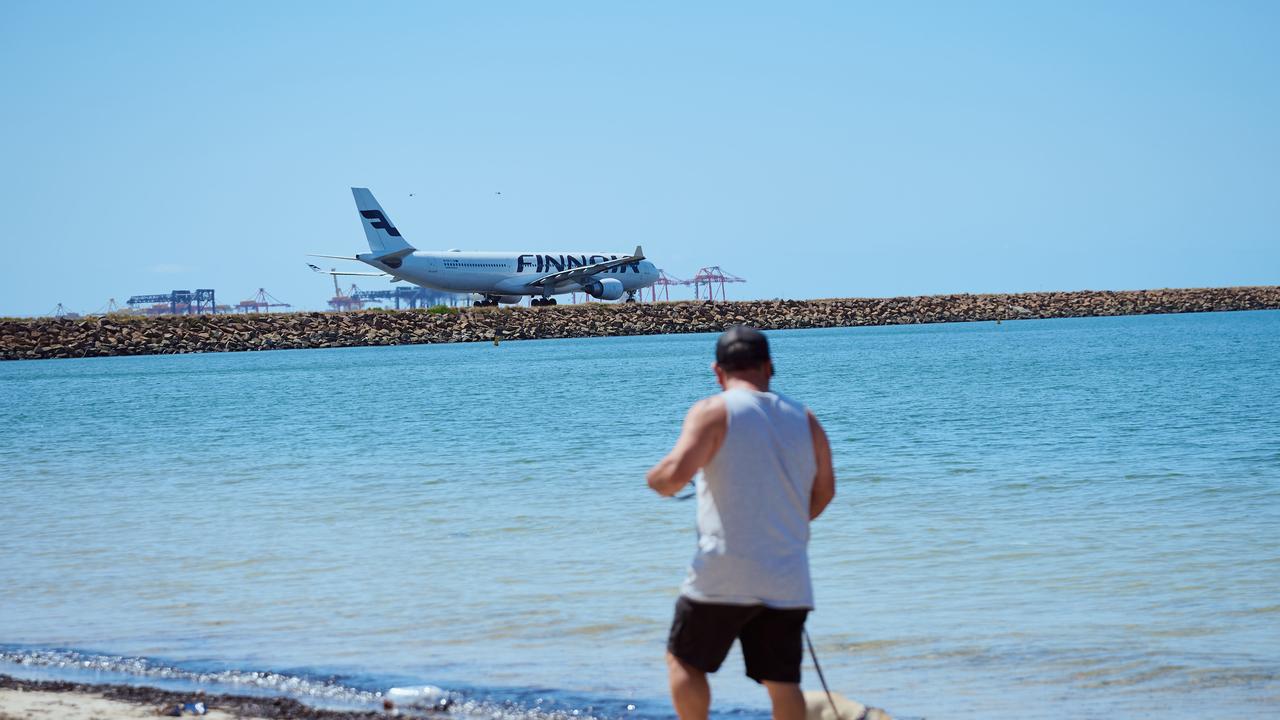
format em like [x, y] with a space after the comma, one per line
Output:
[319, 691]
[1264, 610]
[866, 646]
[327, 691]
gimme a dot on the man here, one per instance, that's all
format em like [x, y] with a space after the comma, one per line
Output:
[766, 472]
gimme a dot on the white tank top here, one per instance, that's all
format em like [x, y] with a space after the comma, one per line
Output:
[753, 507]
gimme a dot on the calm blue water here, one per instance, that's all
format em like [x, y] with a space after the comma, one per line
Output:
[1034, 519]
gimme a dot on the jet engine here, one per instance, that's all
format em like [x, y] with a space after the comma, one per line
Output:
[605, 289]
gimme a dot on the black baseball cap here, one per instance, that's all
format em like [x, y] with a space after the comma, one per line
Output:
[741, 348]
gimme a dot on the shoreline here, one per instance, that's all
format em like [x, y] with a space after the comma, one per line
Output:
[32, 699]
[112, 335]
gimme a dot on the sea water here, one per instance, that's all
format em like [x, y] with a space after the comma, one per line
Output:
[1035, 519]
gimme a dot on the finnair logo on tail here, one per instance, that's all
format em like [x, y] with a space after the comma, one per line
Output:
[380, 222]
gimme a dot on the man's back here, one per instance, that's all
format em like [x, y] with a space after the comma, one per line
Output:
[766, 472]
[753, 506]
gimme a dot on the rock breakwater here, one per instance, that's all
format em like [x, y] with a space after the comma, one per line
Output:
[39, 338]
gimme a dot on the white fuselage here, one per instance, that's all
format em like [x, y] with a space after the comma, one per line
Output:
[508, 273]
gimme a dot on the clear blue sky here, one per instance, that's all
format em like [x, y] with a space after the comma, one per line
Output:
[817, 149]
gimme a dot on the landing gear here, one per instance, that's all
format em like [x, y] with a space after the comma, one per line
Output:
[540, 302]
[486, 302]
[631, 296]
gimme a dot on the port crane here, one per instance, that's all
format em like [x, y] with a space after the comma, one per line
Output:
[263, 301]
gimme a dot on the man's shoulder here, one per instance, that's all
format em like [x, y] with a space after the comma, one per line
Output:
[709, 408]
[790, 405]
[791, 402]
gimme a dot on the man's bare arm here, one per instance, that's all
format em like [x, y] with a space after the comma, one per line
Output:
[700, 438]
[824, 482]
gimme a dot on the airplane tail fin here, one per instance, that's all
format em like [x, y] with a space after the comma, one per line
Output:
[382, 234]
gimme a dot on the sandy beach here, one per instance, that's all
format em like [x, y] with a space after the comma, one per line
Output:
[37, 704]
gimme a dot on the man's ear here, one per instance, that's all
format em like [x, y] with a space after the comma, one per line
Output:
[715, 367]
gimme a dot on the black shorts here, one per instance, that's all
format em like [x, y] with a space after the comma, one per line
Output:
[772, 639]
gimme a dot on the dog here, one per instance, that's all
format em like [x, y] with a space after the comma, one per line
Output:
[818, 707]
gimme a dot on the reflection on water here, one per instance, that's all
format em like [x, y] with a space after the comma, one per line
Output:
[1034, 516]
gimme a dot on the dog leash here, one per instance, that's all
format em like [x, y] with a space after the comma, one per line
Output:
[827, 690]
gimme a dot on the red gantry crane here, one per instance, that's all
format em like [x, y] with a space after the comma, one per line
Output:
[349, 301]
[664, 281]
[711, 277]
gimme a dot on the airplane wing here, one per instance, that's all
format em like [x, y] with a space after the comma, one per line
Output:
[335, 272]
[586, 270]
[334, 257]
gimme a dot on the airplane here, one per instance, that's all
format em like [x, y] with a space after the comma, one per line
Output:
[494, 277]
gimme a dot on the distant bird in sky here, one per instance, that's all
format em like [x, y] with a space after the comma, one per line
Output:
[497, 192]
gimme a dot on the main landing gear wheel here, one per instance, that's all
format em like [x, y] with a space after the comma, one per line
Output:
[485, 303]
[540, 302]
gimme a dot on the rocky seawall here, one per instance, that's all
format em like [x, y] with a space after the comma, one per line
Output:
[168, 334]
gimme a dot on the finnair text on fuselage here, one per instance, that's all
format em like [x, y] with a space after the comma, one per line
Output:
[544, 263]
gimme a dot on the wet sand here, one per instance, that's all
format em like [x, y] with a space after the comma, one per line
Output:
[58, 700]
